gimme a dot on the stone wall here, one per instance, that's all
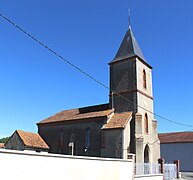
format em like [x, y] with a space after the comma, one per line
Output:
[123, 81]
[58, 136]
[113, 145]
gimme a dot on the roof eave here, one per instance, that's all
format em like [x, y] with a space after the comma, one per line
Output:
[130, 56]
[36, 147]
[112, 128]
[176, 142]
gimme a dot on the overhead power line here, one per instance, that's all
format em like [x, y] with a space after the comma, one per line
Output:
[86, 74]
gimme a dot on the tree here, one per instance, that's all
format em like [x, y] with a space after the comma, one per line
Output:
[4, 140]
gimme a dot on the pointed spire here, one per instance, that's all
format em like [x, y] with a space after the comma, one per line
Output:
[129, 47]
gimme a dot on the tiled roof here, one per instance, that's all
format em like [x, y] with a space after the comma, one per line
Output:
[176, 137]
[2, 145]
[79, 114]
[33, 140]
[118, 120]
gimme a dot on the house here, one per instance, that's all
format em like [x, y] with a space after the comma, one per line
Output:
[124, 125]
[178, 146]
[1, 145]
[21, 140]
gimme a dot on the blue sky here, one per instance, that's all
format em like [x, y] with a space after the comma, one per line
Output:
[36, 84]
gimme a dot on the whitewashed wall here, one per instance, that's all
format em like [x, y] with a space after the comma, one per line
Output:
[22, 165]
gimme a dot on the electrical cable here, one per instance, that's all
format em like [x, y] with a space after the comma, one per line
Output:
[86, 74]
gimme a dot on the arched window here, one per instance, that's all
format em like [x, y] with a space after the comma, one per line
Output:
[146, 128]
[87, 138]
[144, 79]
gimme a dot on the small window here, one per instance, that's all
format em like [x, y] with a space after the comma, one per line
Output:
[87, 139]
[146, 123]
[144, 79]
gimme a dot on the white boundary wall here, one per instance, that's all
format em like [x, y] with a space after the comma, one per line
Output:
[27, 165]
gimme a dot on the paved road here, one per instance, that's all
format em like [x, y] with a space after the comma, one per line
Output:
[187, 175]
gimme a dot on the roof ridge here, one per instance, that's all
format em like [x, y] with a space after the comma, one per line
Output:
[176, 132]
[176, 137]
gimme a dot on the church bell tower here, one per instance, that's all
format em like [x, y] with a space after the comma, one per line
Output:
[131, 90]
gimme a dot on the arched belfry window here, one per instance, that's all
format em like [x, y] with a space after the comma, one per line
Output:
[146, 128]
[87, 138]
[144, 79]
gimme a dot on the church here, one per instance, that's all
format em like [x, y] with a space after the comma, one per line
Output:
[124, 125]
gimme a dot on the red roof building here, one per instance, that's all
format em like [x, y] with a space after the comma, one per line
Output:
[21, 140]
[178, 146]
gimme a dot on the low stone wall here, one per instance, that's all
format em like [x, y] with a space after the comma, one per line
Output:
[22, 165]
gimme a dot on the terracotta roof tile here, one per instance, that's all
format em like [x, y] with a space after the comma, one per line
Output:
[176, 137]
[118, 120]
[2, 145]
[32, 139]
[78, 114]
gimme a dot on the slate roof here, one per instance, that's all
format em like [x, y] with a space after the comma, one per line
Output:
[176, 137]
[32, 140]
[2, 145]
[118, 120]
[128, 48]
[79, 114]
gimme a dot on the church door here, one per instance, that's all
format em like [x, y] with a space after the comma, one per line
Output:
[146, 154]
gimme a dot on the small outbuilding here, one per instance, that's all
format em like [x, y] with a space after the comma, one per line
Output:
[178, 146]
[21, 140]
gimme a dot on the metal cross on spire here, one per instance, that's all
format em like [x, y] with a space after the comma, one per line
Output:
[129, 18]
